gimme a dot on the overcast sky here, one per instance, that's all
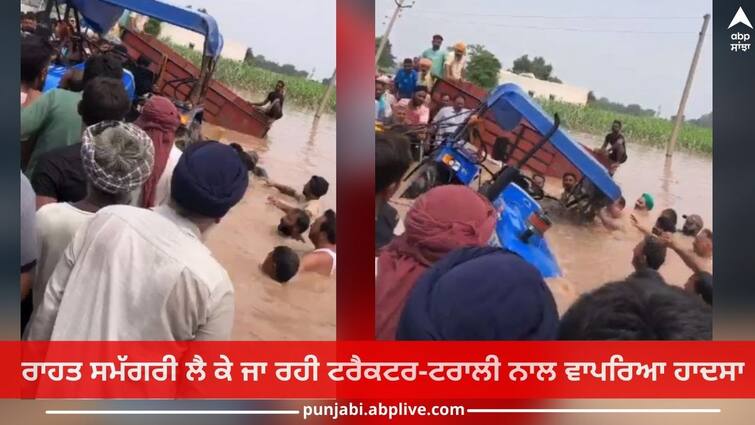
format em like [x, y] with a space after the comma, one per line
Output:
[601, 45]
[302, 33]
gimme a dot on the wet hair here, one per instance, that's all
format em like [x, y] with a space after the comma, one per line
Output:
[286, 263]
[637, 309]
[329, 226]
[247, 159]
[420, 88]
[409, 61]
[574, 176]
[318, 186]
[654, 252]
[35, 56]
[392, 159]
[666, 224]
[302, 221]
[703, 286]
[102, 66]
[104, 99]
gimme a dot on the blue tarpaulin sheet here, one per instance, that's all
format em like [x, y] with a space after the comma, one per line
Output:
[101, 16]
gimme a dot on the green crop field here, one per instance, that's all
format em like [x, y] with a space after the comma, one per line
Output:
[299, 91]
[645, 130]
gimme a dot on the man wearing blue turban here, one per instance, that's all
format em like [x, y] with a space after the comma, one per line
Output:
[137, 274]
[479, 294]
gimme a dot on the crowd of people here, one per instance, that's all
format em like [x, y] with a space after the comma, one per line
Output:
[404, 98]
[114, 215]
[437, 278]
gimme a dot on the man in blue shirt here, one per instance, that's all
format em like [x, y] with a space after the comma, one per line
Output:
[436, 55]
[406, 80]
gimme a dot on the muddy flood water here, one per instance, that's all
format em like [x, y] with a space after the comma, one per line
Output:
[590, 255]
[305, 307]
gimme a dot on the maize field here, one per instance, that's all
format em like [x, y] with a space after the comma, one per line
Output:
[646, 130]
[301, 92]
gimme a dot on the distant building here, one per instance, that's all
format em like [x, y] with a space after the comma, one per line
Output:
[231, 49]
[545, 89]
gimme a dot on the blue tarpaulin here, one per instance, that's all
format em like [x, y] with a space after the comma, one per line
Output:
[101, 16]
[509, 104]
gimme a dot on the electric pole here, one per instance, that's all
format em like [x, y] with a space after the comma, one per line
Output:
[687, 87]
[399, 5]
[325, 97]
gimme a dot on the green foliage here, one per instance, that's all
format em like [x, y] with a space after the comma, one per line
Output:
[259, 61]
[633, 109]
[536, 66]
[706, 120]
[638, 129]
[152, 27]
[239, 75]
[386, 60]
[483, 67]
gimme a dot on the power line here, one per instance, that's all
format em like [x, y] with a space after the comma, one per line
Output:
[450, 13]
[569, 29]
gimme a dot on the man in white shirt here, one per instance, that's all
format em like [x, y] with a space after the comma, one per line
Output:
[449, 118]
[117, 158]
[456, 61]
[138, 274]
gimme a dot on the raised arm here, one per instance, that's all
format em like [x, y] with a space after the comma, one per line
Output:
[687, 255]
[286, 190]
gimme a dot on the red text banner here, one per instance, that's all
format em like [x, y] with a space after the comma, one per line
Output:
[378, 370]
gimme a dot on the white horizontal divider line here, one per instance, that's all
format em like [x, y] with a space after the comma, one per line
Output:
[593, 410]
[172, 412]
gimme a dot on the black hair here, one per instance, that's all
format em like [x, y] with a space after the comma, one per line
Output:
[286, 263]
[104, 99]
[35, 56]
[637, 309]
[392, 159]
[461, 96]
[569, 173]
[281, 82]
[618, 122]
[500, 150]
[654, 252]
[703, 285]
[143, 61]
[666, 224]
[329, 226]
[302, 221]
[102, 66]
[420, 88]
[245, 157]
[318, 186]
[438, 36]
[409, 60]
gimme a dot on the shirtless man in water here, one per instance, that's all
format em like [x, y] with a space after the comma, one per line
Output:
[700, 257]
[322, 233]
[613, 217]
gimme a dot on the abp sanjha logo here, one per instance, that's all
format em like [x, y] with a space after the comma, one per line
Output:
[740, 41]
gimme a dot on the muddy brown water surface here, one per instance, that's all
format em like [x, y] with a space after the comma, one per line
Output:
[305, 307]
[591, 256]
